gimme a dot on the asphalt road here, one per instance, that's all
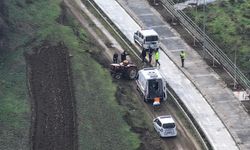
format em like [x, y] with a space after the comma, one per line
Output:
[185, 140]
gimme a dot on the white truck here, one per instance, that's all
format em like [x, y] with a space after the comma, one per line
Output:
[151, 84]
[147, 39]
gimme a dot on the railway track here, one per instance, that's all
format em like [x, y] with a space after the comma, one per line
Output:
[190, 137]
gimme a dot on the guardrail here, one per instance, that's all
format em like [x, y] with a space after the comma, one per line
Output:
[198, 132]
[211, 48]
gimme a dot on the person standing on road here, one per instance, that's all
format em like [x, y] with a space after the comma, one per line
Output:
[143, 55]
[150, 54]
[157, 58]
[115, 58]
[123, 56]
[183, 56]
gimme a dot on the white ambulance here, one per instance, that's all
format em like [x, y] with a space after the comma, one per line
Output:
[151, 84]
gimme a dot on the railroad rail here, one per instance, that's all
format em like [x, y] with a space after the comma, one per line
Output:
[206, 145]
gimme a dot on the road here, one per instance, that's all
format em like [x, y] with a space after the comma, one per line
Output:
[185, 139]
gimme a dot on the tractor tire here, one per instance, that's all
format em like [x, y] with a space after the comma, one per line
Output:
[132, 73]
[118, 76]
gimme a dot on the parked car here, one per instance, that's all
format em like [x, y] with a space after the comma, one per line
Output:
[147, 39]
[165, 126]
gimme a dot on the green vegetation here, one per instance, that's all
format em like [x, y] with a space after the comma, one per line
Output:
[99, 117]
[228, 24]
[14, 106]
[30, 22]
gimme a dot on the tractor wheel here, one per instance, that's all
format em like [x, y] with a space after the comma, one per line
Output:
[118, 76]
[132, 73]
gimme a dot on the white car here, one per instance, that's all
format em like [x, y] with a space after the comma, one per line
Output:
[165, 126]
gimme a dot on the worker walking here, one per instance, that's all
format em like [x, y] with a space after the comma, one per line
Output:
[143, 55]
[157, 58]
[183, 56]
[115, 58]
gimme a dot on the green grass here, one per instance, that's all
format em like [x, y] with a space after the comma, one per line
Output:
[14, 105]
[101, 124]
[100, 118]
[25, 21]
[228, 24]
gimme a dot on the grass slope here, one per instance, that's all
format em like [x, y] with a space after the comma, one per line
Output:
[14, 107]
[100, 117]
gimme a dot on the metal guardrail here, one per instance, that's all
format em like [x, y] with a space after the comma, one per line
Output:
[196, 128]
[210, 47]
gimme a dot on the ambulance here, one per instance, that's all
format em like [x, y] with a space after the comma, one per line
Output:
[151, 84]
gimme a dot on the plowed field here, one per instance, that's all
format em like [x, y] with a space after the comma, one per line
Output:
[53, 125]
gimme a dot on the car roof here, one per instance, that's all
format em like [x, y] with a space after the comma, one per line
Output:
[151, 73]
[148, 32]
[166, 119]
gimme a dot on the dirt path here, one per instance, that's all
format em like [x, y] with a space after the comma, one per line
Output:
[185, 140]
[52, 98]
[72, 5]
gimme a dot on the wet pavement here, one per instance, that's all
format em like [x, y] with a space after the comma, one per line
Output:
[219, 114]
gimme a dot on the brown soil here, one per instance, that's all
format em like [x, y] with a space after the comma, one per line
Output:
[52, 99]
[53, 104]
[149, 138]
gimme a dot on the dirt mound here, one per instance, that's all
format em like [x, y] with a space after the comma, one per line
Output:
[52, 99]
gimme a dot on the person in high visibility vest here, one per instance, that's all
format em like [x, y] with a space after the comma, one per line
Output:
[157, 58]
[183, 56]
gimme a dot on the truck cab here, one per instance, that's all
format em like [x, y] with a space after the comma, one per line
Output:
[151, 84]
[147, 39]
